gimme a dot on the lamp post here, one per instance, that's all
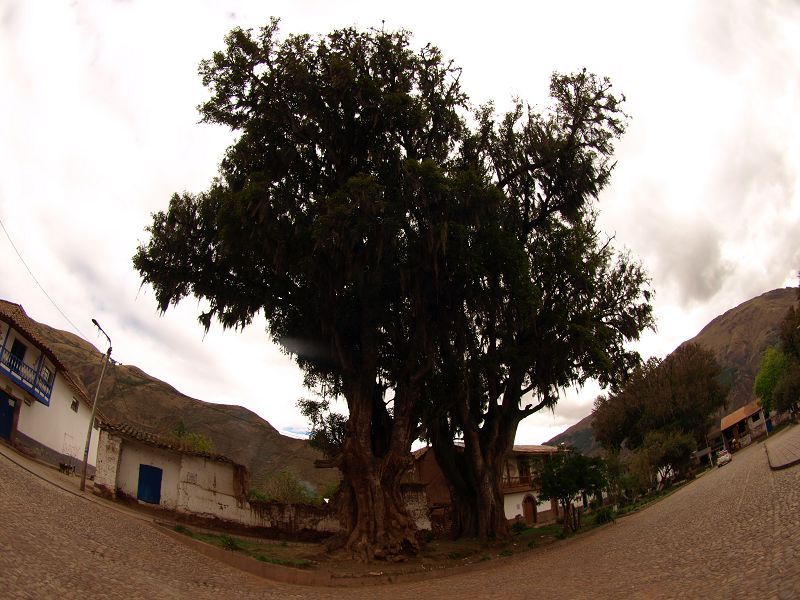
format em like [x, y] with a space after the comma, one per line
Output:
[94, 407]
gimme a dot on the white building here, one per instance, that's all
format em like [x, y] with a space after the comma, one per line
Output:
[150, 470]
[44, 409]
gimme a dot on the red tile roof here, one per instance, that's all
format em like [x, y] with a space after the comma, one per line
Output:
[130, 432]
[739, 415]
[15, 315]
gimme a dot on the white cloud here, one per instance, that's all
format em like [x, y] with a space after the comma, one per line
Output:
[100, 128]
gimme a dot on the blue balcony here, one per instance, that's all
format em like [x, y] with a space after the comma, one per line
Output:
[26, 377]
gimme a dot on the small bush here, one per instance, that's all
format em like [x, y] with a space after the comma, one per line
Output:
[605, 515]
[229, 543]
[532, 544]
[283, 487]
[561, 534]
[518, 527]
[183, 530]
[505, 552]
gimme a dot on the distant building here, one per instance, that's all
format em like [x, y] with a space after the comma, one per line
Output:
[44, 409]
[519, 484]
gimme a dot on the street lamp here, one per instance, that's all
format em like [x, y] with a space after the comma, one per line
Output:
[94, 407]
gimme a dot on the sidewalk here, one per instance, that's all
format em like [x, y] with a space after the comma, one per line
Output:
[783, 451]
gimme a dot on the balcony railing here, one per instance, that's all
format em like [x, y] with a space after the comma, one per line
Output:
[26, 376]
[519, 482]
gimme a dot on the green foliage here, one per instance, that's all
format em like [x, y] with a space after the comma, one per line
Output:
[328, 428]
[392, 243]
[605, 514]
[568, 474]
[192, 440]
[787, 391]
[518, 527]
[778, 382]
[675, 396]
[668, 452]
[773, 365]
[183, 529]
[229, 543]
[506, 552]
[283, 487]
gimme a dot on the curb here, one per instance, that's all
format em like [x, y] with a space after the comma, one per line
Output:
[780, 467]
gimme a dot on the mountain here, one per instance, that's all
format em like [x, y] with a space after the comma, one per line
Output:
[130, 395]
[738, 339]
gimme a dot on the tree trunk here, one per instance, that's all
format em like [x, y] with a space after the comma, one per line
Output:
[374, 517]
[474, 477]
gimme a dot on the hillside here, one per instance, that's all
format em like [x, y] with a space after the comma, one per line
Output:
[737, 338]
[132, 396]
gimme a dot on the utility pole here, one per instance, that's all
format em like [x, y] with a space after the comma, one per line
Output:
[94, 407]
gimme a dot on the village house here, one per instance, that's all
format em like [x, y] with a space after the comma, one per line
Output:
[44, 410]
[519, 484]
[193, 484]
[744, 425]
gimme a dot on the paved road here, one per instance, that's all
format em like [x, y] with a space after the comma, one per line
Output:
[733, 533]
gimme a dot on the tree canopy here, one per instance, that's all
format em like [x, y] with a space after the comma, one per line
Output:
[400, 243]
[675, 396]
[777, 383]
[567, 474]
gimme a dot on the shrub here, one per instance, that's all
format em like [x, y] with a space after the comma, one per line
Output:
[283, 487]
[505, 552]
[518, 527]
[229, 543]
[605, 515]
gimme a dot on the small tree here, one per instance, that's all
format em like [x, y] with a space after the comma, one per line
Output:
[566, 475]
[773, 365]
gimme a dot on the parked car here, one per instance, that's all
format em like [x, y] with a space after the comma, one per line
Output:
[723, 458]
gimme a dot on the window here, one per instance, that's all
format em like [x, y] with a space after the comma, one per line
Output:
[74, 405]
[18, 349]
[755, 417]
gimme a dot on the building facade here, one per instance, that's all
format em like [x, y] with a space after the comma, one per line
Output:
[44, 410]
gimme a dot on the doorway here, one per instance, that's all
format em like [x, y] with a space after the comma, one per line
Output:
[7, 406]
[149, 489]
[529, 510]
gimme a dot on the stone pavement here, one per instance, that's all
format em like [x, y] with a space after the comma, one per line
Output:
[783, 450]
[732, 533]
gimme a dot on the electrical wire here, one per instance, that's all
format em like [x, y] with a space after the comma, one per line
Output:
[22, 260]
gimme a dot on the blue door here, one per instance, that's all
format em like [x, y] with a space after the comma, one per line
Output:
[149, 489]
[7, 404]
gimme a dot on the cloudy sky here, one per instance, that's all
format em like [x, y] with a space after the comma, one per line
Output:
[98, 128]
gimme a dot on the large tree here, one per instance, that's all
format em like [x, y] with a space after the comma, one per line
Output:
[331, 214]
[662, 400]
[545, 302]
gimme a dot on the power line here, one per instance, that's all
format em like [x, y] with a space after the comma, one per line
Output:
[22, 260]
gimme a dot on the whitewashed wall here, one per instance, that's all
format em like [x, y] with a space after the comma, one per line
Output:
[513, 504]
[207, 488]
[108, 455]
[57, 426]
[134, 454]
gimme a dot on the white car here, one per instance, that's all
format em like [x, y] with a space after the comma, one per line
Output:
[723, 458]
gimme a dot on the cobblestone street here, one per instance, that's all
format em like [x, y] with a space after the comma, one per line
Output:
[733, 533]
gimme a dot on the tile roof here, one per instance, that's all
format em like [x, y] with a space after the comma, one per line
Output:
[739, 414]
[534, 449]
[16, 316]
[130, 432]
